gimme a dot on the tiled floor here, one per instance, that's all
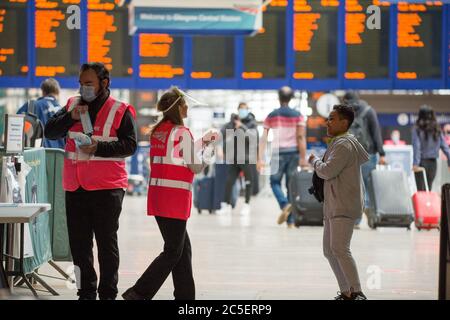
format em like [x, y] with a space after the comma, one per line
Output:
[252, 257]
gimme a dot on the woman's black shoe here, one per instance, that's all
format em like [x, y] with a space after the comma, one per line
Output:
[131, 294]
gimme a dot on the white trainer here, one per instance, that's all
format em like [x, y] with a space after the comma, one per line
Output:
[225, 208]
[245, 210]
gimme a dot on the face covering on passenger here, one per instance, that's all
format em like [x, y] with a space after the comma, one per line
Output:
[243, 113]
[88, 93]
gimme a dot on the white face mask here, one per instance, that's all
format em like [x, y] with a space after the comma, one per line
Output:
[88, 93]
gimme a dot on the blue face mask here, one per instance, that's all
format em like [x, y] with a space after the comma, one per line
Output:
[243, 113]
[88, 93]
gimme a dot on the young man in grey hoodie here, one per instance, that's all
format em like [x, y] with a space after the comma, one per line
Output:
[343, 198]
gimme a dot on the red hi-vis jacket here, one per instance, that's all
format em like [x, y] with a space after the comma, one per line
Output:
[90, 172]
[170, 185]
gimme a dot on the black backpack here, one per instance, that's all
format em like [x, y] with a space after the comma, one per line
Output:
[317, 188]
[360, 129]
[33, 127]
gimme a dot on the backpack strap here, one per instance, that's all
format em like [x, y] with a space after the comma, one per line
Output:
[30, 108]
[364, 112]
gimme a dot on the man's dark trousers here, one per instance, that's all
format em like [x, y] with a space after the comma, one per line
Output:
[96, 213]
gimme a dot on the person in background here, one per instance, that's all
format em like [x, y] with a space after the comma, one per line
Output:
[343, 199]
[395, 139]
[427, 141]
[243, 160]
[95, 177]
[289, 151]
[46, 107]
[366, 129]
[174, 161]
[446, 132]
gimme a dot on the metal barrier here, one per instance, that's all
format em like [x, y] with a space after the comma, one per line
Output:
[444, 254]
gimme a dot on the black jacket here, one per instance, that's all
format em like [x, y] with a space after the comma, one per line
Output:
[371, 120]
[58, 126]
[249, 127]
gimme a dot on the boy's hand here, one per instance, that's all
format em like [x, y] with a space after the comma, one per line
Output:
[382, 161]
[312, 157]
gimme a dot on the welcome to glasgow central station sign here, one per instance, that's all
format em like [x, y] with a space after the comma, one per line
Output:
[232, 17]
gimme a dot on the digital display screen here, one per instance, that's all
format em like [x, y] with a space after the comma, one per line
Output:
[419, 40]
[108, 39]
[265, 53]
[13, 38]
[315, 39]
[213, 57]
[57, 48]
[367, 46]
[161, 56]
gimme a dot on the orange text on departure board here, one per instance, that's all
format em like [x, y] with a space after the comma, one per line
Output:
[101, 5]
[49, 71]
[159, 71]
[355, 75]
[46, 20]
[406, 32]
[304, 26]
[355, 20]
[305, 5]
[99, 24]
[303, 75]
[408, 19]
[2, 19]
[49, 4]
[155, 45]
[201, 75]
[252, 75]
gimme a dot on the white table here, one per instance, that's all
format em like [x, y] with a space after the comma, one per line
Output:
[11, 214]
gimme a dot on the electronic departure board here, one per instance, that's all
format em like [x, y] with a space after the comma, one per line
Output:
[315, 40]
[265, 53]
[367, 49]
[108, 39]
[57, 48]
[212, 57]
[13, 35]
[161, 56]
[419, 40]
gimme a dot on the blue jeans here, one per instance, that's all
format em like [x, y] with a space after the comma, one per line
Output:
[287, 163]
[366, 169]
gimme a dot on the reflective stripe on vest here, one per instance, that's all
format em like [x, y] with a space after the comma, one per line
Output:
[80, 156]
[73, 134]
[171, 184]
[110, 119]
[169, 160]
[74, 103]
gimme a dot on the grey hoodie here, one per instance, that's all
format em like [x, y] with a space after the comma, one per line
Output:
[341, 170]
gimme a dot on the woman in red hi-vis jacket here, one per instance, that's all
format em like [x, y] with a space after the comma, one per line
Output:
[173, 163]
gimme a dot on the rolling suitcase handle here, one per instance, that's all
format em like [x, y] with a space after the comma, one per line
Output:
[425, 181]
[383, 167]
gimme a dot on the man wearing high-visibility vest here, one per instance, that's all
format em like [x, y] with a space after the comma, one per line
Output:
[100, 132]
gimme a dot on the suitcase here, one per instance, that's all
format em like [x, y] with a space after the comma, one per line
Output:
[308, 211]
[427, 204]
[203, 194]
[391, 199]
